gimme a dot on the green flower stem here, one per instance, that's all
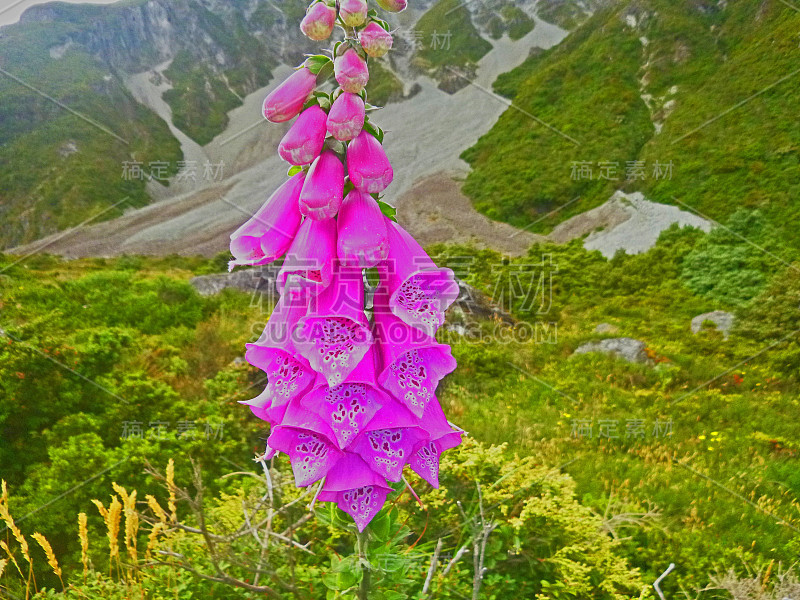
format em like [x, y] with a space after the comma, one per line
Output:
[361, 549]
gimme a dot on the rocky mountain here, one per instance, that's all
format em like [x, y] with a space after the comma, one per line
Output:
[103, 109]
[89, 90]
[101, 106]
[59, 166]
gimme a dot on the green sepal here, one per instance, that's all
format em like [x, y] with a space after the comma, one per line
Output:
[325, 71]
[294, 170]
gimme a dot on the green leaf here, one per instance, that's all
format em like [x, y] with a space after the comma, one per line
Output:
[380, 525]
[316, 62]
[294, 170]
[388, 210]
[374, 130]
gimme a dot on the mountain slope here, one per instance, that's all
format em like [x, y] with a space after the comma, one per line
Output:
[63, 148]
[632, 84]
[57, 168]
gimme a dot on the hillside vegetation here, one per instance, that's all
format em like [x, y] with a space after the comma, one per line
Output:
[710, 479]
[715, 78]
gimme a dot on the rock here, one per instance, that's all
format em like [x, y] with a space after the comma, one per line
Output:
[257, 279]
[627, 349]
[606, 328]
[472, 305]
[722, 320]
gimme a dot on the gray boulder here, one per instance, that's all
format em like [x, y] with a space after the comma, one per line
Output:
[257, 279]
[625, 348]
[721, 319]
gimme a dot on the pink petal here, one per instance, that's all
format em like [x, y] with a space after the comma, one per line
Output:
[413, 362]
[420, 291]
[362, 239]
[323, 189]
[305, 138]
[308, 266]
[349, 406]
[269, 233]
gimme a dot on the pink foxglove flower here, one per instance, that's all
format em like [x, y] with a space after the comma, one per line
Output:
[358, 490]
[351, 403]
[346, 117]
[375, 40]
[351, 71]
[288, 373]
[348, 407]
[286, 101]
[305, 138]
[362, 235]
[334, 336]
[308, 266]
[353, 12]
[308, 441]
[323, 189]
[319, 21]
[269, 233]
[413, 362]
[367, 164]
[439, 436]
[420, 292]
[394, 6]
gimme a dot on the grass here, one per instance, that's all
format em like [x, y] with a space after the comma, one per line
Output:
[726, 408]
[730, 404]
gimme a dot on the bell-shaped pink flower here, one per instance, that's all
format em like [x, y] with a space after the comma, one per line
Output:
[334, 336]
[375, 40]
[308, 442]
[367, 164]
[388, 441]
[439, 436]
[353, 12]
[362, 237]
[420, 292]
[319, 21]
[269, 233]
[412, 362]
[346, 117]
[358, 490]
[348, 407]
[351, 71]
[323, 189]
[308, 266]
[305, 138]
[286, 101]
[288, 373]
[394, 6]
